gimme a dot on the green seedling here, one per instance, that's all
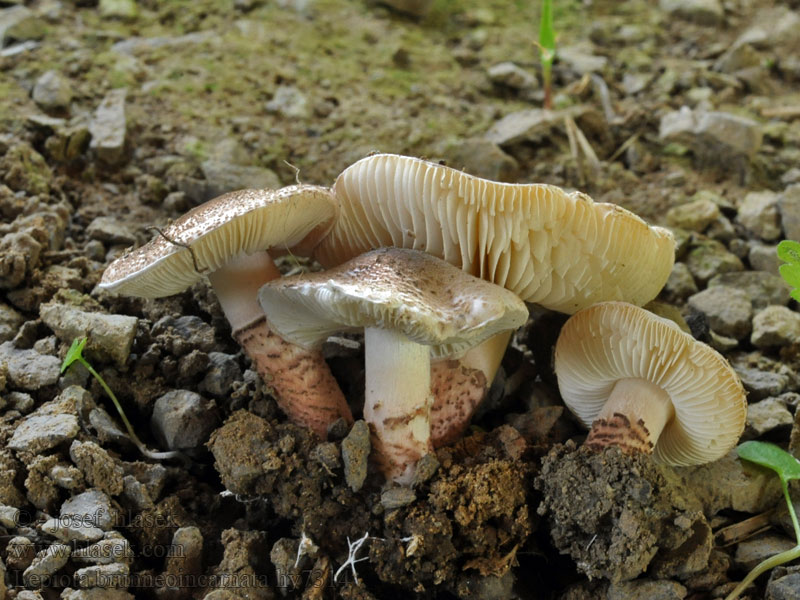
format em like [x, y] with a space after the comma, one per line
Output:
[789, 253]
[75, 354]
[787, 467]
[547, 51]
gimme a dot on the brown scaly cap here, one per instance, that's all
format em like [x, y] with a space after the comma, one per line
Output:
[240, 222]
[425, 298]
[561, 250]
[610, 341]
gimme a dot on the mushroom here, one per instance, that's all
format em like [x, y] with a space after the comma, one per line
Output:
[226, 239]
[643, 384]
[557, 249]
[412, 307]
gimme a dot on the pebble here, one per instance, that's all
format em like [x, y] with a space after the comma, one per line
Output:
[67, 477]
[644, 589]
[512, 75]
[19, 256]
[355, 452]
[694, 216]
[71, 530]
[222, 177]
[52, 91]
[40, 432]
[789, 209]
[762, 288]
[10, 322]
[728, 310]
[111, 231]
[761, 384]
[95, 594]
[186, 556]
[114, 575]
[766, 415]
[783, 587]
[183, 419]
[328, 455]
[221, 373]
[107, 127]
[721, 229]
[775, 326]
[581, 59]
[20, 553]
[531, 124]
[112, 548]
[92, 507]
[710, 258]
[135, 493]
[289, 102]
[482, 158]
[24, 169]
[97, 466]
[753, 550]
[45, 564]
[717, 138]
[109, 335]
[118, 9]
[397, 497]
[763, 257]
[19, 23]
[184, 334]
[680, 284]
[9, 516]
[758, 213]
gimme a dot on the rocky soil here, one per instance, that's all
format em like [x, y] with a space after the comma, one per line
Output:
[117, 116]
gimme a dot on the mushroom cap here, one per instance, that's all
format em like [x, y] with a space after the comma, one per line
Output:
[423, 297]
[560, 250]
[615, 340]
[240, 222]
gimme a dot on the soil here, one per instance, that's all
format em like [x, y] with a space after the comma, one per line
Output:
[224, 95]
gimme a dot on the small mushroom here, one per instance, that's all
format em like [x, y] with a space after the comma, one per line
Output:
[644, 385]
[226, 240]
[411, 307]
[557, 249]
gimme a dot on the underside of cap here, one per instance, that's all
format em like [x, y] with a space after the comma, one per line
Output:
[614, 340]
[208, 236]
[563, 251]
[425, 298]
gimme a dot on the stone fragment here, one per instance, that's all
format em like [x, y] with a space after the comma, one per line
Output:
[680, 283]
[113, 575]
[68, 530]
[482, 158]
[783, 586]
[183, 419]
[789, 209]
[91, 507]
[728, 310]
[537, 124]
[10, 322]
[710, 258]
[52, 91]
[99, 469]
[753, 550]
[766, 415]
[38, 433]
[111, 231]
[96, 594]
[775, 326]
[513, 76]
[19, 256]
[704, 12]
[763, 257]
[758, 213]
[761, 384]
[222, 176]
[397, 497]
[184, 334]
[645, 589]
[763, 289]
[288, 101]
[112, 549]
[355, 452]
[107, 127]
[45, 565]
[222, 372]
[694, 216]
[19, 23]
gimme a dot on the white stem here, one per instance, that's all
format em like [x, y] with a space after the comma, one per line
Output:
[637, 399]
[488, 355]
[398, 400]
[236, 286]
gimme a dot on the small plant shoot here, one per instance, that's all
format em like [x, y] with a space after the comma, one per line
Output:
[787, 467]
[789, 253]
[547, 50]
[75, 354]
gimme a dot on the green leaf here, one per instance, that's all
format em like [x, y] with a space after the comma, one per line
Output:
[791, 274]
[547, 37]
[795, 294]
[74, 353]
[789, 251]
[771, 456]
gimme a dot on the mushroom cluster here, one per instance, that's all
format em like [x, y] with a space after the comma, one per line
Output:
[430, 263]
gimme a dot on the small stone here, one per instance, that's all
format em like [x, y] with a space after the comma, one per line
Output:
[789, 209]
[67, 477]
[397, 497]
[184, 334]
[328, 455]
[19, 256]
[643, 589]
[722, 343]
[221, 373]
[52, 91]
[763, 257]
[513, 76]
[728, 310]
[704, 12]
[784, 587]
[41, 432]
[722, 230]
[112, 549]
[118, 9]
[222, 177]
[69, 530]
[759, 214]
[96, 594]
[20, 24]
[27, 369]
[9, 516]
[694, 216]
[775, 326]
[581, 59]
[186, 557]
[482, 158]
[91, 507]
[710, 258]
[10, 322]
[536, 124]
[107, 127]
[761, 384]
[111, 231]
[136, 494]
[20, 553]
[763, 289]
[45, 564]
[355, 452]
[114, 575]
[289, 102]
[109, 335]
[23, 169]
[753, 550]
[680, 284]
[183, 419]
[766, 415]
[99, 469]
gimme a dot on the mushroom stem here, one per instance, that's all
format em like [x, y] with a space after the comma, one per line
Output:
[303, 384]
[459, 387]
[397, 400]
[633, 417]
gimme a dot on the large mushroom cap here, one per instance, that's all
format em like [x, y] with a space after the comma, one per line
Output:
[205, 238]
[611, 341]
[425, 298]
[563, 251]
